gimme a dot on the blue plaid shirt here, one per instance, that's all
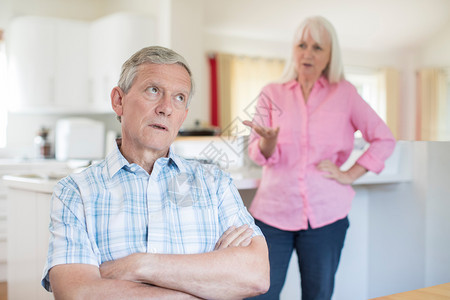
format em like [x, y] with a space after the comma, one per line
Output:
[113, 209]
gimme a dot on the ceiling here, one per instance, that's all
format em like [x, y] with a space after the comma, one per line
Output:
[378, 26]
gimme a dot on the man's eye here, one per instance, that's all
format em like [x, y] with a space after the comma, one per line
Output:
[153, 90]
[180, 98]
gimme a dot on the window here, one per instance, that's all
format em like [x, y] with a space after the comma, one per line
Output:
[241, 79]
[432, 102]
[3, 110]
[380, 89]
[446, 134]
[368, 85]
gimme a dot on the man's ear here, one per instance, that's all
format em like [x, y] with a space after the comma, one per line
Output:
[117, 100]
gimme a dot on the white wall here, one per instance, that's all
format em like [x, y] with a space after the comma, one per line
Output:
[186, 37]
[436, 52]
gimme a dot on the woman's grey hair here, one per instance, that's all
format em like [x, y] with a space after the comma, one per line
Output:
[151, 55]
[316, 26]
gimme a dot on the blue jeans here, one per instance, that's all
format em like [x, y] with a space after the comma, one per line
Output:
[318, 251]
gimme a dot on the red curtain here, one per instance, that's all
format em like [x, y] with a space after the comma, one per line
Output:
[214, 90]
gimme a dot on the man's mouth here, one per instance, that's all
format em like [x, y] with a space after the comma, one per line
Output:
[159, 127]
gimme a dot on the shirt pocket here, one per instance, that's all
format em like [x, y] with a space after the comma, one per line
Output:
[192, 222]
[120, 234]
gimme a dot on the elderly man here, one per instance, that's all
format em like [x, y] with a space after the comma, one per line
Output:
[144, 222]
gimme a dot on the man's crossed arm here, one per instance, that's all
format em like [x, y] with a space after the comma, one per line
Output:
[237, 268]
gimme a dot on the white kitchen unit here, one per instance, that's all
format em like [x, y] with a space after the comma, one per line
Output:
[70, 66]
[28, 235]
[112, 40]
[48, 64]
[19, 167]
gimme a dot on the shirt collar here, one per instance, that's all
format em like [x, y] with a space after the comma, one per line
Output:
[115, 161]
[291, 84]
[322, 82]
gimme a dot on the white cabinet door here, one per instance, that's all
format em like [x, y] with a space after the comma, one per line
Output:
[28, 219]
[48, 63]
[32, 61]
[71, 68]
[63, 65]
[113, 39]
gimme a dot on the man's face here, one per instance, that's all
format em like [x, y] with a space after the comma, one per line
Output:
[154, 108]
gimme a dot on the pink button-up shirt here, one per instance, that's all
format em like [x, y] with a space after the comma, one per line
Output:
[292, 190]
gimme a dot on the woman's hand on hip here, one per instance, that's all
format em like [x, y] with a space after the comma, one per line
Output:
[269, 137]
[333, 172]
[343, 177]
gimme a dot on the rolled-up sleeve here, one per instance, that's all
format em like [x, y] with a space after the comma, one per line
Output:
[69, 241]
[375, 132]
[232, 211]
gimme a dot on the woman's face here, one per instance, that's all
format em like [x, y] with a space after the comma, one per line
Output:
[310, 57]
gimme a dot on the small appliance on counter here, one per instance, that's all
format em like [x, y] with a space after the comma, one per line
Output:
[79, 138]
[42, 143]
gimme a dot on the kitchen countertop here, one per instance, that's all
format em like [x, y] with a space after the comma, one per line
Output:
[30, 182]
[45, 184]
[398, 169]
[244, 178]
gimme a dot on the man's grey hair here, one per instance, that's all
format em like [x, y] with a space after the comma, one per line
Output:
[151, 55]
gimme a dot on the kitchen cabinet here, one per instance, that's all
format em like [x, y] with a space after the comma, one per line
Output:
[28, 237]
[70, 66]
[48, 63]
[113, 39]
[8, 167]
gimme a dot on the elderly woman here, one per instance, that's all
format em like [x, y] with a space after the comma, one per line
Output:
[303, 131]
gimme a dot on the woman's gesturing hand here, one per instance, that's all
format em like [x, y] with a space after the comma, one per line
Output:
[268, 136]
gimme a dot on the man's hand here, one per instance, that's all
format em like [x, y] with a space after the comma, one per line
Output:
[235, 237]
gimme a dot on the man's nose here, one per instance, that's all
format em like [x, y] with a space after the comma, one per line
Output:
[164, 106]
